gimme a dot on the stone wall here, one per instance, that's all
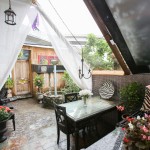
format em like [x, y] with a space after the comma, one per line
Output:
[118, 81]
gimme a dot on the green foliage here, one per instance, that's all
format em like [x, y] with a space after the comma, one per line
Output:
[9, 84]
[98, 54]
[70, 86]
[20, 54]
[132, 96]
[38, 82]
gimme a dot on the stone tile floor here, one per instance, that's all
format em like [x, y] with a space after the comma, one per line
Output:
[35, 128]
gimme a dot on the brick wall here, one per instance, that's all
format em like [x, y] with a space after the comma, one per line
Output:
[118, 81]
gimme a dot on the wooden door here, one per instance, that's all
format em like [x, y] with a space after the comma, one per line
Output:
[22, 77]
[21, 74]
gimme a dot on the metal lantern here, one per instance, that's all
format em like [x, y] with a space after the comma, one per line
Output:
[10, 16]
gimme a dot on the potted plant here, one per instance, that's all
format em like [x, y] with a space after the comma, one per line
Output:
[9, 84]
[132, 96]
[38, 83]
[5, 113]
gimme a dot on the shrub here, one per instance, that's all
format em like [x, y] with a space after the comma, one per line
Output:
[70, 86]
[132, 96]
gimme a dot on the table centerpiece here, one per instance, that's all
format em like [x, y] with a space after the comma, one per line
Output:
[85, 94]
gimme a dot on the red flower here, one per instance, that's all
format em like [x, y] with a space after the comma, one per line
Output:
[125, 140]
[129, 119]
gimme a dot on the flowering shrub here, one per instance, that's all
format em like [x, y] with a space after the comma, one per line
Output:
[38, 82]
[4, 113]
[85, 93]
[137, 132]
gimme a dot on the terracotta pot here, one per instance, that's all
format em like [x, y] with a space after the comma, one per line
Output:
[3, 129]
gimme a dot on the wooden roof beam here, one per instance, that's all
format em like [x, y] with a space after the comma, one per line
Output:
[107, 35]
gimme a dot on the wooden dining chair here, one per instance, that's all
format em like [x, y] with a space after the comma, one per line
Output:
[62, 123]
[71, 97]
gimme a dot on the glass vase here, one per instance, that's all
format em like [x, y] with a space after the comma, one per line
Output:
[84, 100]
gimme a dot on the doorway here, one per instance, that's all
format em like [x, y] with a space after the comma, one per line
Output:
[21, 74]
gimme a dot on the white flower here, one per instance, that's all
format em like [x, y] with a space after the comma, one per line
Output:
[85, 92]
[143, 118]
[138, 117]
[130, 126]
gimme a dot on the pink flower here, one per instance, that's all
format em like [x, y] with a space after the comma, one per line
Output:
[148, 138]
[144, 129]
[39, 81]
[144, 137]
[146, 115]
[123, 129]
[120, 108]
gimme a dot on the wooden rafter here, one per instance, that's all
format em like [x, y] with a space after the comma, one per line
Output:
[110, 30]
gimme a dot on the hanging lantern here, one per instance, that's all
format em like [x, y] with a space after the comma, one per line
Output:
[10, 16]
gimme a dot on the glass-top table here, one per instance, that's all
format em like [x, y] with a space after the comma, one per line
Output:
[80, 115]
[77, 110]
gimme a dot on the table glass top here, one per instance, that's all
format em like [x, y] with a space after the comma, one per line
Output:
[77, 110]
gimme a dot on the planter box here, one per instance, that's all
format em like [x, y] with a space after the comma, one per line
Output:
[47, 68]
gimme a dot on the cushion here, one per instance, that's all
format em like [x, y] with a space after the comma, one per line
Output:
[146, 103]
[107, 90]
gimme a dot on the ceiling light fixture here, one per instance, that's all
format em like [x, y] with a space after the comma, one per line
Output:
[10, 16]
[81, 73]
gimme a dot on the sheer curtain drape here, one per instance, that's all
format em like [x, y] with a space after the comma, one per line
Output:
[67, 55]
[13, 37]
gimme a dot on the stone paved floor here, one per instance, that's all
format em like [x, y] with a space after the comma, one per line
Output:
[35, 128]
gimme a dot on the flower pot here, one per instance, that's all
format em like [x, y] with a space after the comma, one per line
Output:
[39, 97]
[3, 129]
[9, 93]
[124, 116]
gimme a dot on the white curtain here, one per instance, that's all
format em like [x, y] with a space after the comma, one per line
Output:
[65, 52]
[13, 37]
